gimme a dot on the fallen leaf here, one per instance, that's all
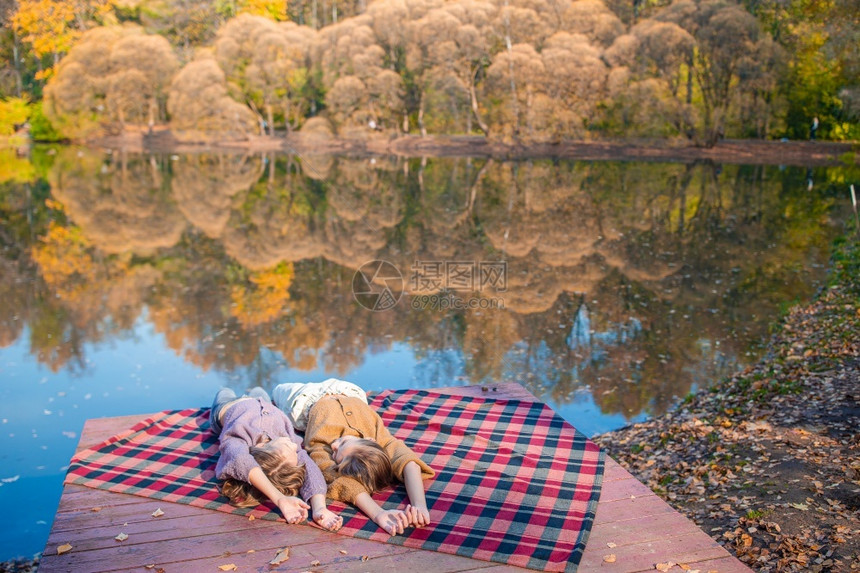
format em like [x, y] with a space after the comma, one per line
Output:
[228, 567]
[664, 566]
[121, 537]
[251, 518]
[96, 509]
[609, 558]
[282, 556]
[150, 566]
[610, 545]
[364, 557]
[800, 506]
[64, 548]
[315, 563]
[157, 513]
[684, 566]
[251, 551]
[343, 551]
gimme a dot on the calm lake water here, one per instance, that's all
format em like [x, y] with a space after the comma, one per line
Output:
[137, 283]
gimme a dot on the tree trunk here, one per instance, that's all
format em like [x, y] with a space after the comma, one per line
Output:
[19, 83]
[514, 99]
[474, 99]
[421, 115]
[288, 124]
[270, 115]
[690, 79]
[151, 121]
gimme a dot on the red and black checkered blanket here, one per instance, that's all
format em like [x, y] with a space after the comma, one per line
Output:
[514, 482]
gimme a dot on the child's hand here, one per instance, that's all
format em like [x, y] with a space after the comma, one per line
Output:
[293, 509]
[393, 521]
[328, 519]
[418, 516]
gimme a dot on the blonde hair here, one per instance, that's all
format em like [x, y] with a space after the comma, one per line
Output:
[368, 463]
[288, 479]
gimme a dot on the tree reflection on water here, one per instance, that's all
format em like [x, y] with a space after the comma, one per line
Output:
[632, 281]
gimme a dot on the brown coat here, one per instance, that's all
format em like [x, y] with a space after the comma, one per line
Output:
[335, 416]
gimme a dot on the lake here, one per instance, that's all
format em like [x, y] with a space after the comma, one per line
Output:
[133, 283]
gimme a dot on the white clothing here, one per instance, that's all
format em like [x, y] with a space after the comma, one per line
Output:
[296, 398]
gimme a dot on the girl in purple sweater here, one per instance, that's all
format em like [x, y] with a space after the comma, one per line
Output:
[262, 458]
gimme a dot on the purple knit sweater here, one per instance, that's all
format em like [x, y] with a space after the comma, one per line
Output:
[243, 423]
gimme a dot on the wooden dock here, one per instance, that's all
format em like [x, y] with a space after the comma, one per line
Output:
[632, 524]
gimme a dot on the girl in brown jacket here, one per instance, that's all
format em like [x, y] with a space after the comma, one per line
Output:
[355, 451]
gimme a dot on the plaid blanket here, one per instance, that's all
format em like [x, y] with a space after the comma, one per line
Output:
[514, 482]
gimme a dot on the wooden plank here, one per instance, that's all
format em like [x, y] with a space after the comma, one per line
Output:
[97, 430]
[722, 565]
[643, 556]
[629, 488]
[637, 530]
[622, 509]
[645, 529]
[113, 514]
[612, 471]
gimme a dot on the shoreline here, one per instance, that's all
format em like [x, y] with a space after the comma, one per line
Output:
[767, 462]
[798, 153]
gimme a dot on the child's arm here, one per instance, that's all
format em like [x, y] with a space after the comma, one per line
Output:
[398, 452]
[293, 508]
[393, 521]
[323, 516]
[416, 511]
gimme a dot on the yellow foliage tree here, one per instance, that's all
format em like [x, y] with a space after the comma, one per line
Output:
[52, 27]
[273, 9]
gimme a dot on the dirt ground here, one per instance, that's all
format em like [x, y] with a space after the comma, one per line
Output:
[801, 153]
[768, 462]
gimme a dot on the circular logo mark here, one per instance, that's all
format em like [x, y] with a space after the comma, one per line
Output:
[377, 285]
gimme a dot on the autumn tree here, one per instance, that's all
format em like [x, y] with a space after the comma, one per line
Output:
[654, 97]
[13, 113]
[361, 89]
[11, 53]
[200, 105]
[592, 19]
[725, 36]
[269, 63]
[821, 72]
[114, 76]
[272, 9]
[52, 27]
[391, 21]
[184, 23]
[455, 39]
